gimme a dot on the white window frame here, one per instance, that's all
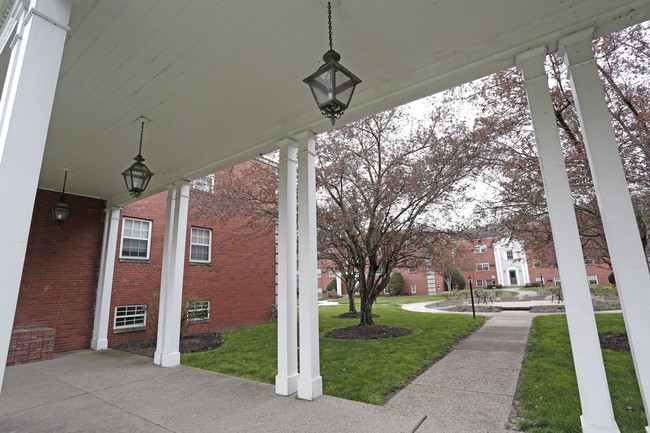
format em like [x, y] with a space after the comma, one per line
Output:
[480, 249]
[195, 307]
[414, 289]
[385, 291]
[148, 238]
[510, 255]
[482, 267]
[589, 262]
[332, 273]
[412, 270]
[209, 244]
[537, 263]
[593, 279]
[540, 279]
[205, 184]
[557, 281]
[319, 273]
[479, 283]
[135, 312]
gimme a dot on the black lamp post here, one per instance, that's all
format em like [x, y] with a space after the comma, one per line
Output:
[332, 85]
[61, 209]
[137, 176]
[471, 294]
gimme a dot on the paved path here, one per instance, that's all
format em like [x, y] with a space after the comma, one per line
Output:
[472, 388]
[469, 390]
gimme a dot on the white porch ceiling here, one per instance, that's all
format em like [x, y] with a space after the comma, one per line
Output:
[221, 81]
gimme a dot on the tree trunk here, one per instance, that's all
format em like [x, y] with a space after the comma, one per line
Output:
[352, 307]
[366, 311]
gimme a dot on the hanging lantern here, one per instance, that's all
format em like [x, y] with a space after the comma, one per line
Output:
[332, 85]
[137, 176]
[61, 209]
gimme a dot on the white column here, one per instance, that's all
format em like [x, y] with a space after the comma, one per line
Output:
[286, 382]
[27, 104]
[619, 222]
[99, 341]
[597, 412]
[310, 383]
[171, 288]
[339, 285]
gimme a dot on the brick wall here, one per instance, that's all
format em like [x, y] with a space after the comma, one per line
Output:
[60, 272]
[31, 344]
[239, 281]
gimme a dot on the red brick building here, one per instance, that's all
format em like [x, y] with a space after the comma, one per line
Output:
[229, 272]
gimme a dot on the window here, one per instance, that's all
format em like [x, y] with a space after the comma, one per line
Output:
[198, 311]
[412, 270]
[593, 279]
[589, 262]
[379, 270]
[319, 273]
[413, 289]
[332, 274]
[135, 238]
[200, 245]
[540, 280]
[557, 281]
[482, 267]
[491, 281]
[509, 255]
[479, 283]
[385, 291]
[537, 263]
[130, 316]
[480, 249]
[205, 184]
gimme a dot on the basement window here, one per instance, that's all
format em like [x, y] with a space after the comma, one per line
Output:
[130, 317]
[198, 311]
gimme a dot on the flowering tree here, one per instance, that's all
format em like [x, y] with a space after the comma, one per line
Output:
[382, 180]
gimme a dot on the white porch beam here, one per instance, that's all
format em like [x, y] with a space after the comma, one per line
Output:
[597, 412]
[286, 382]
[99, 340]
[310, 383]
[619, 222]
[171, 287]
[26, 107]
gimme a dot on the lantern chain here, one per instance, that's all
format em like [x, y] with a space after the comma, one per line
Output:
[329, 21]
[141, 133]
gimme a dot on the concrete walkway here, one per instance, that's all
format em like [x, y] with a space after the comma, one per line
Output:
[472, 388]
[469, 390]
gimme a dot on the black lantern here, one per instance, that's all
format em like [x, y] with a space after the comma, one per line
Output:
[332, 85]
[137, 176]
[61, 209]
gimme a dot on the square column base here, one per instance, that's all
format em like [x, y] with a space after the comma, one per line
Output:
[310, 389]
[286, 385]
[99, 344]
[167, 359]
[590, 428]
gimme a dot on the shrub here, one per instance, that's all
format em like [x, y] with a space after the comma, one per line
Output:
[533, 284]
[395, 284]
[154, 307]
[611, 279]
[495, 286]
[457, 280]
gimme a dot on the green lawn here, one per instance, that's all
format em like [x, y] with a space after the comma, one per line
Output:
[549, 391]
[356, 370]
[406, 299]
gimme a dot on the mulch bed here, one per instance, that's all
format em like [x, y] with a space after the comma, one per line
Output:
[467, 308]
[351, 315]
[617, 342]
[189, 344]
[600, 303]
[374, 332]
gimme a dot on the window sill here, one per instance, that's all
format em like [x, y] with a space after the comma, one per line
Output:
[200, 264]
[194, 322]
[131, 260]
[134, 329]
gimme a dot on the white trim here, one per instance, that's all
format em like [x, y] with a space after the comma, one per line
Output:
[414, 289]
[485, 265]
[148, 239]
[192, 308]
[593, 279]
[33, 11]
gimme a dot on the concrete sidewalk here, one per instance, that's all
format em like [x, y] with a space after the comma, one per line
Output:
[473, 387]
[110, 391]
[469, 390]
